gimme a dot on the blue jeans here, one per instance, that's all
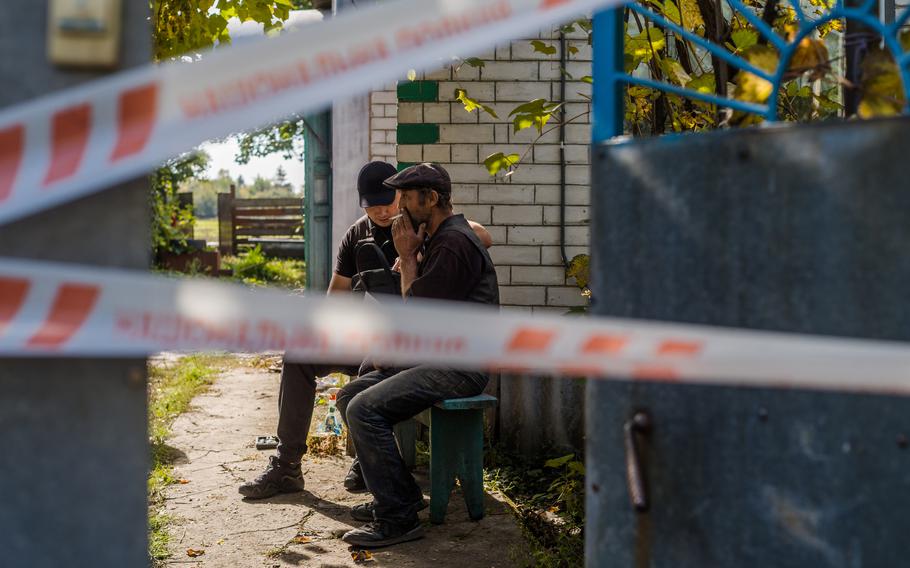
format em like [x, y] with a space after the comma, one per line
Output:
[371, 405]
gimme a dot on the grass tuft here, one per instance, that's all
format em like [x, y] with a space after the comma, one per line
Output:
[548, 501]
[171, 389]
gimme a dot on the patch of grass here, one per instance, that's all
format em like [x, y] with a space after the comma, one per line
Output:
[171, 388]
[158, 537]
[206, 229]
[549, 504]
[255, 268]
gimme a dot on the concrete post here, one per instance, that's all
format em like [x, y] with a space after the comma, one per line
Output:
[74, 431]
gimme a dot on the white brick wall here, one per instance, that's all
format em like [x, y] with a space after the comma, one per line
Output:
[384, 118]
[521, 213]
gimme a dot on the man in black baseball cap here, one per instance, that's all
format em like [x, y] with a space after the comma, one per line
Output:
[370, 185]
[297, 391]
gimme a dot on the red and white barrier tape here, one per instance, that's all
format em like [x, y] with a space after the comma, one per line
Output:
[83, 139]
[62, 310]
[80, 140]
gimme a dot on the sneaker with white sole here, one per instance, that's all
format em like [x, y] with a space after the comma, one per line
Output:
[381, 533]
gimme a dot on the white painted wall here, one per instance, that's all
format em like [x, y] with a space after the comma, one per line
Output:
[350, 151]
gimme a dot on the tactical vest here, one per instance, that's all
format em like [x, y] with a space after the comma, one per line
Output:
[486, 289]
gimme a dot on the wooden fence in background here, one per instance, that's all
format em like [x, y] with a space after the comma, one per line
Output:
[275, 224]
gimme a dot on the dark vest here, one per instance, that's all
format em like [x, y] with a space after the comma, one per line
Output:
[486, 289]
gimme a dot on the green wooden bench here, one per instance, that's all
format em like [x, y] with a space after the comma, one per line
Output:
[456, 450]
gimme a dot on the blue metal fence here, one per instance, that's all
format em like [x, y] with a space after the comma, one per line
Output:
[610, 77]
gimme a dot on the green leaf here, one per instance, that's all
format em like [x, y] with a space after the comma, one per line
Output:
[541, 47]
[703, 83]
[639, 47]
[577, 467]
[499, 161]
[744, 38]
[475, 62]
[580, 269]
[691, 18]
[559, 462]
[572, 49]
[883, 94]
[791, 89]
[587, 79]
[471, 105]
[752, 88]
[535, 106]
[534, 113]
[825, 103]
[674, 71]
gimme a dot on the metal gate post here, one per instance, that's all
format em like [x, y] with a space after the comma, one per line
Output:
[74, 456]
[607, 122]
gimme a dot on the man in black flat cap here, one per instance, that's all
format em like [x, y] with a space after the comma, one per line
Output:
[297, 390]
[440, 257]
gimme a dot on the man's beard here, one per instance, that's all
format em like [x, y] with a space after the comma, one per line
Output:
[414, 222]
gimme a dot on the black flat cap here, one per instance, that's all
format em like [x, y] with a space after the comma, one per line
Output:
[422, 176]
[369, 184]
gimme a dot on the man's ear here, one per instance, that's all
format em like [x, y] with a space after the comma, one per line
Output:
[434, 198]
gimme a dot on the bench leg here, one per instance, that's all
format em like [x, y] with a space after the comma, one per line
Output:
[456, 449]
[470, 464]
[444, 438]
[406, 434]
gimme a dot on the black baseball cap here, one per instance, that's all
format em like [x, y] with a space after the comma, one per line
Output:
[369, 184]
[422, 176]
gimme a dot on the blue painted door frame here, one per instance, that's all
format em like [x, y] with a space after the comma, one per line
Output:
[317, 222]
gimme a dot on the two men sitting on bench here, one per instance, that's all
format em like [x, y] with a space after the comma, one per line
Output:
[297, 391]
[440, 257]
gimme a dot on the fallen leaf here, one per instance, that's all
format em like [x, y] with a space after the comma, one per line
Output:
[193, 553]
[220, 541]
[183, 481]
[362, 556]
[300, 539]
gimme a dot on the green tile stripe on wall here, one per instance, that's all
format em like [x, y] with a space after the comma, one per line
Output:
[418, 133]
[418, 91]
[403, 165]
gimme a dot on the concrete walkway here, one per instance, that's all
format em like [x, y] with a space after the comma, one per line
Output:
[214, 442]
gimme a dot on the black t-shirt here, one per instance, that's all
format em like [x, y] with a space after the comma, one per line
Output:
[451, 267]
[361, 230]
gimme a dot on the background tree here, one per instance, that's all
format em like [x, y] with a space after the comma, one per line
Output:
[811, 90]
[183, 29]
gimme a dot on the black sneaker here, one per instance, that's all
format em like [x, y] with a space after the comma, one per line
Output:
[364, 511]
[380, 533]
[279, 477]
[354, 481]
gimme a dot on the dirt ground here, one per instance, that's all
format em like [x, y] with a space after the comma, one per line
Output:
[214, 445]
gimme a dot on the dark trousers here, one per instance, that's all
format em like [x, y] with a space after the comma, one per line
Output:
[296, 397]
[373, 404]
